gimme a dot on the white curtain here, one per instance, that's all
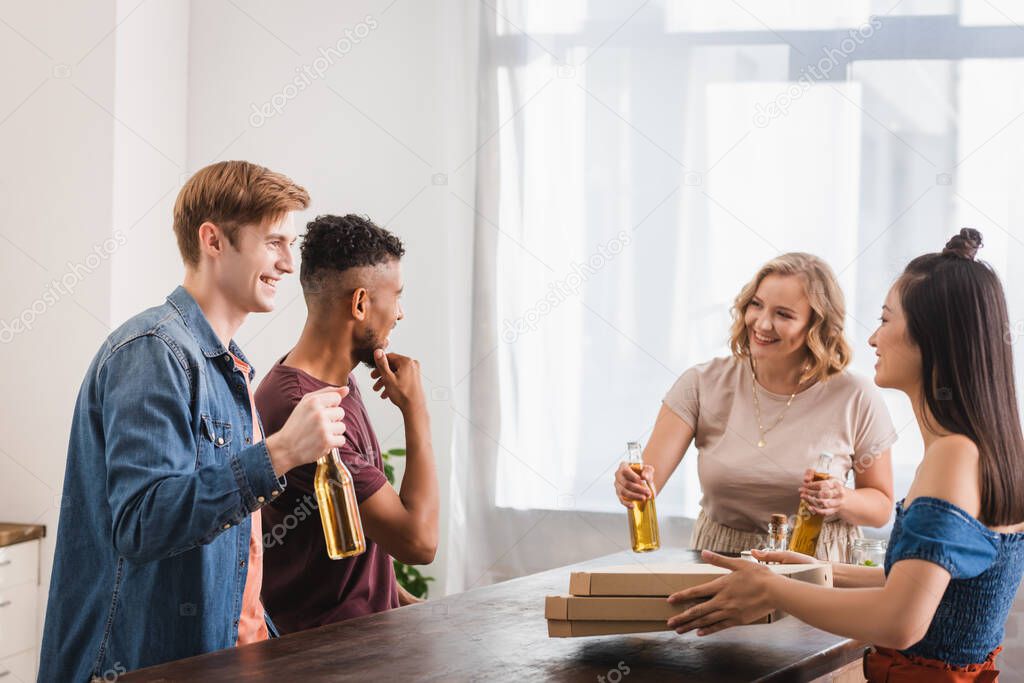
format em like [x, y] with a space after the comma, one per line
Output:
[639, 162]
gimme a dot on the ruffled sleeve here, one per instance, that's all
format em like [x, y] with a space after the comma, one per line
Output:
[937, 531]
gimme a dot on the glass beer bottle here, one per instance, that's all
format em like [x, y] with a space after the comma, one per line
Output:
[808, 525]
[339, 509]
[643, 518]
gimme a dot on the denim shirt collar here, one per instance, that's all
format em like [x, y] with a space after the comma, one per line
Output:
[195, 320]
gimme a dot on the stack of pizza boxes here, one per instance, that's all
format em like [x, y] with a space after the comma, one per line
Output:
[632, 599]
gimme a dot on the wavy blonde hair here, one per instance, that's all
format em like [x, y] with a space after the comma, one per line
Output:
[830, 352]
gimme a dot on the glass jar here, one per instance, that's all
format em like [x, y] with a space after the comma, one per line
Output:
[778, 533]
[868, 552]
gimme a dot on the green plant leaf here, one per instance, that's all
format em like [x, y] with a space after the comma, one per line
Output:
[411, 579]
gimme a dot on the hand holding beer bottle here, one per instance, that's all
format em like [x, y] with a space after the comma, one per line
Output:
[633, 483]
[808, 523]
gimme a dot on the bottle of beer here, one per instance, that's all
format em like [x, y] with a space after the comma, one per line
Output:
[339, 510]
[643, 518]
[808, 525]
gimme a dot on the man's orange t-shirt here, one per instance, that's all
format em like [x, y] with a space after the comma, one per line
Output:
[252, 626]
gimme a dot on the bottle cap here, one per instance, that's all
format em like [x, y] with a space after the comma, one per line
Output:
[779, 519]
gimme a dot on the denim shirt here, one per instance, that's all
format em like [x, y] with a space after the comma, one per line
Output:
[162, 477]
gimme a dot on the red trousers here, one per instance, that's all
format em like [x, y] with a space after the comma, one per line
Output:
[890, 666]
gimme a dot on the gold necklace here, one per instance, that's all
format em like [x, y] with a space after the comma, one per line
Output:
[757, 407]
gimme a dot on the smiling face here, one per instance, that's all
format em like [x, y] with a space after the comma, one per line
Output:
[777, 318]
[377, 309]
[248, 271]
[899, 358]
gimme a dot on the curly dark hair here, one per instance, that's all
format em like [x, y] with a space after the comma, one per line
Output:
[333, 244]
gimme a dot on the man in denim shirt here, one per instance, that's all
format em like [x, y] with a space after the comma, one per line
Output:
[158, 559]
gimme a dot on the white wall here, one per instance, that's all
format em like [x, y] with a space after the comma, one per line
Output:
[150, 151]
[57, 136]
[103, 125]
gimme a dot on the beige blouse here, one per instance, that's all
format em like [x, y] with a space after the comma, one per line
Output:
[743, 485]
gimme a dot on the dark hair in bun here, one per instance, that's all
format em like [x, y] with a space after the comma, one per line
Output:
[964, 244]
[956, 314]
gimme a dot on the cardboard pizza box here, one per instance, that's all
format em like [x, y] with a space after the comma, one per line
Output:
[572, 608]
[575, 629]
[661, 580]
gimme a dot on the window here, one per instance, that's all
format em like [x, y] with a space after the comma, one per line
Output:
[651, 162]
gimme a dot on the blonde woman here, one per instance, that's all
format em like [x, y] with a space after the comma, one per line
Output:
[761, 417]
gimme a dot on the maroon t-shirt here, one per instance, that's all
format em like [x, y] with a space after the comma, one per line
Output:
[302, 586]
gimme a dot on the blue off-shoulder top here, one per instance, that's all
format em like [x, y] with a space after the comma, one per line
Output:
[986, 569]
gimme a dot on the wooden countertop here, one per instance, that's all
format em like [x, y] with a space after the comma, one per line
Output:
[19, 533]
[499, 633]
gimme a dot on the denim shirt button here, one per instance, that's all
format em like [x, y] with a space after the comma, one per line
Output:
[220, 440]
[260, 499]
[275, 493]
[227, 526]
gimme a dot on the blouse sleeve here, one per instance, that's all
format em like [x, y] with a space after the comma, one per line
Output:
[939, 532]
[683, 398]
[874, 431]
